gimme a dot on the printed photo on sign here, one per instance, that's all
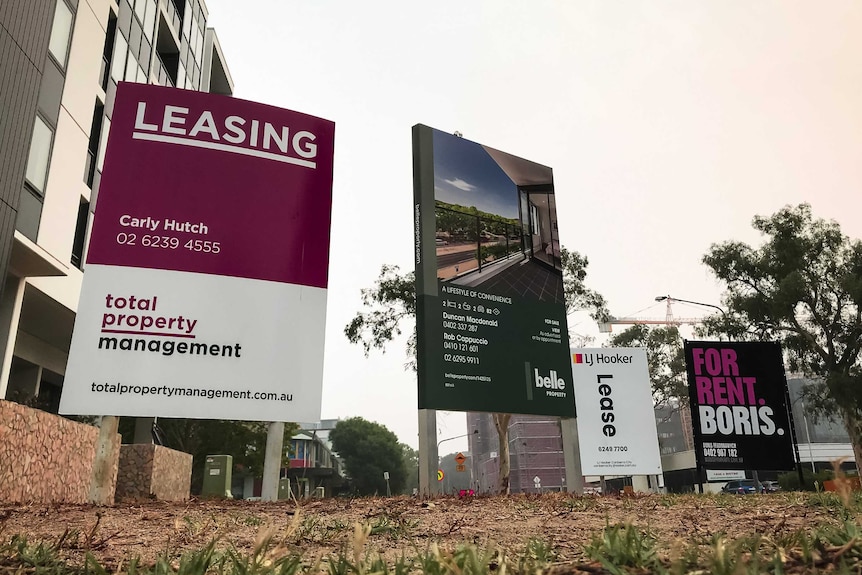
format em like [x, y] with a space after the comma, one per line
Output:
[492, 233]
[491, 317]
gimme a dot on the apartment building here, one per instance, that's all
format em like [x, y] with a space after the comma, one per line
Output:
[535, 451]
[60, 62]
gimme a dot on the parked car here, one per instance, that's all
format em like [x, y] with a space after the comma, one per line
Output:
[742, 487]
[770, 486]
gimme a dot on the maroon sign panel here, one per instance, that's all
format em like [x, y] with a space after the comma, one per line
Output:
[738, 395]
[276, 208]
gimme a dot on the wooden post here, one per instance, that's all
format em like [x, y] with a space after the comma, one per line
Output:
[428, 457]
[103, 480]
[272, 461]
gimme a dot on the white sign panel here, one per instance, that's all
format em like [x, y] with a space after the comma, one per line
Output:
[724, 474]
[616, 423]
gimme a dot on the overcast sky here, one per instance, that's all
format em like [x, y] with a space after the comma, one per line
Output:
[668, 126]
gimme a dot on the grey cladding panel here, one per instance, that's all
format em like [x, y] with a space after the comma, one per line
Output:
[51, 92]
[20, 80]
[28, 22]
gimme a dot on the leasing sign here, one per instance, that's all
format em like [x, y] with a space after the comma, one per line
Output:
[204, 293]
[738, 395]
[616, 421]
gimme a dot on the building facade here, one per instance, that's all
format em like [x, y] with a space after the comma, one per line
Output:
[60, 62]
[535, 451]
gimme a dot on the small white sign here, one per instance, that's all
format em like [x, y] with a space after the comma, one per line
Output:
[386, 475]
[537, 480]
[724, 474]
[215, 471]
[616, 421]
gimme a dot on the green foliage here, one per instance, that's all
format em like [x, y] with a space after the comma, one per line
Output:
[578, 295]
[456, 210]
[665, 356]
[368, 449]
[391, 300]
[811, 481]
[624, 546]
[411, 468]
[803, 286]
[245, 441]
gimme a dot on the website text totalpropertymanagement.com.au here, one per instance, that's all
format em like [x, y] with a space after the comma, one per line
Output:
[203, 393]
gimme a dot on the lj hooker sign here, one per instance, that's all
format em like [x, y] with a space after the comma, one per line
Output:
[204, 293]
[738, 405]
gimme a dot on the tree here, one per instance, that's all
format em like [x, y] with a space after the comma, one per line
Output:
[665, 357]
[411, 468]
[369, 449]
[803, 286]
[393, 300]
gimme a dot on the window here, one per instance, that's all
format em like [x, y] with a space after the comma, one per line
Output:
[80, 233]
[534, 219]
[40, 152]
[61, 32]
[140, 8]
[118, 62]
[150, 19]
[131, 68]
[103, 141]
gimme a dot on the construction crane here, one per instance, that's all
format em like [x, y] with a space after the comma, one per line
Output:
[607, 326]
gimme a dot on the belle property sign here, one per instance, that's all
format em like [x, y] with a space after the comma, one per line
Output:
[491, 313]
[204, 293]
[616, 421]
[738, 395]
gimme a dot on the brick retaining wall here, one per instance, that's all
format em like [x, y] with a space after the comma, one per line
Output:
[148, 470]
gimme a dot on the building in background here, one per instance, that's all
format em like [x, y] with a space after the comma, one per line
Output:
[535, 451]
[673, 424]
[312, 462]
[60, 62]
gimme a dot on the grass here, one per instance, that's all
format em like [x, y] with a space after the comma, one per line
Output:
[619, 548]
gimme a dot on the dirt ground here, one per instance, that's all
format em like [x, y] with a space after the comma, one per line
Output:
[317, 527]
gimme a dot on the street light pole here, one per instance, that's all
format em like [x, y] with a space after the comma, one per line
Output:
[474, 432]
[808, 437]
[702, 471]
[670, 299]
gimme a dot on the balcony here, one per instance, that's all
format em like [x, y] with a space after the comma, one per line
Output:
[175, 16]
[162, 73]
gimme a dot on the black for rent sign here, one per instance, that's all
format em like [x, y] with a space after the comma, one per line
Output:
[738, 405]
